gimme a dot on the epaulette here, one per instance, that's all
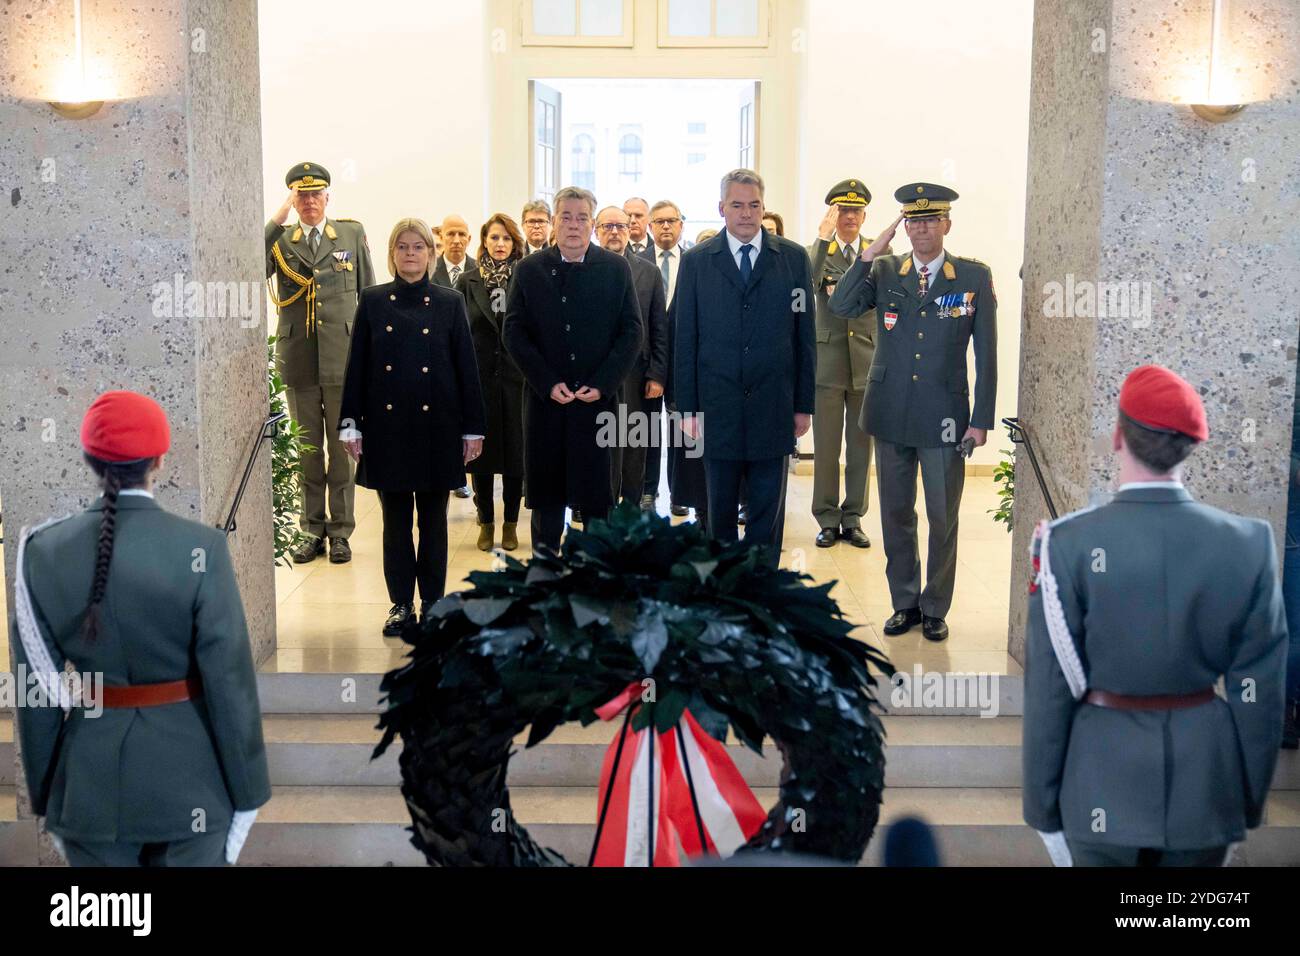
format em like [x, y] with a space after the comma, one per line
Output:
[345, 220]
[949, 270]
[906, 267]
[976, 261]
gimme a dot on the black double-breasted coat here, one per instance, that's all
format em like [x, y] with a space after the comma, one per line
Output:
[412, 387]
[577, 323]
[499, 376]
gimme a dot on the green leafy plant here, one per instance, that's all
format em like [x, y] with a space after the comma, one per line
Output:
[746, 647]
[287, 449]
[1004, 477]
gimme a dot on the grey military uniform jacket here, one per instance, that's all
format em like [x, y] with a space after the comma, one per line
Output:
[918, 393]
[171, 610]
[845, 344]
[1158, 594]
[316, 296]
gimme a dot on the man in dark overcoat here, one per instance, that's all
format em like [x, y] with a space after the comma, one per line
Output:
[573, 325]
[743, 362]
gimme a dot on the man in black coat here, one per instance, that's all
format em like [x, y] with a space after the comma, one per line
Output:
[743, 360]
[645, 381]
[573, 326]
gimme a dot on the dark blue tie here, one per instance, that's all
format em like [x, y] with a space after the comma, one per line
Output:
[745, 266]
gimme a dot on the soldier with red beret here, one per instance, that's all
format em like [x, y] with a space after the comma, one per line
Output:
[1137, 609]
[164, 764]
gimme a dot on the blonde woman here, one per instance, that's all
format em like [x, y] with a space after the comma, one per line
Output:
[412, 414]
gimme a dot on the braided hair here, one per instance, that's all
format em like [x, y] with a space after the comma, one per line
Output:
[113, 477]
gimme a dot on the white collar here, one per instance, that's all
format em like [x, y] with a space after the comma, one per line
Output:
[135, 491]
[1172, 483]
[734, 244]
[564, 258]
[932, 268]
[673, 251]
[848, 245]
[306, 229]
[464, 264]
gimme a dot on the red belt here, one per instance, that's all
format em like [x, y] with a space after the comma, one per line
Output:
[1104, 698]
[152, 695]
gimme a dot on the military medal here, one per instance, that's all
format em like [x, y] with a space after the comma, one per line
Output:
[891, 320]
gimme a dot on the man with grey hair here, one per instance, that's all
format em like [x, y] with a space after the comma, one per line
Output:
[573, 326]
[536, 221]
[743, 361]
[639, 244]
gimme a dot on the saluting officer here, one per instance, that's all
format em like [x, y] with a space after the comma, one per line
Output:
[171, 773]
[929, 306]
[1136, 610]
[845, 347]
[321, 265]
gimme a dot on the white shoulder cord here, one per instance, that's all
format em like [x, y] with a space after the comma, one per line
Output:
[1067, 654]
[38, 654]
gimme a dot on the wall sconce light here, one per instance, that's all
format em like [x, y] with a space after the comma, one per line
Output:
[79, 108]
[1215, 112]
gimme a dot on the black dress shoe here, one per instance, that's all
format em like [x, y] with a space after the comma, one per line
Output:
[680, 511]
[900, 622]
[340, 551]
[741, 517]
[577, 517]
[934, 628]
[463, 491]
[826, 538]
[856, 537]
[398, 617]
[308, 549]
[647, 502]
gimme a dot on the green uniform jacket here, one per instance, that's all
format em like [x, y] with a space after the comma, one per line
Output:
[171, 610]
[845, 345]
[917, 387]
[318, 356]
[1161, 595]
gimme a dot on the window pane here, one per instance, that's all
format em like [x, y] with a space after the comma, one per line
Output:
[737, 18]
[555, 17]
[602, 18]
[688, 18]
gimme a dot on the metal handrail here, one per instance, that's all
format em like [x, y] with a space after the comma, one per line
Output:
[1019, 435]
[266, 430]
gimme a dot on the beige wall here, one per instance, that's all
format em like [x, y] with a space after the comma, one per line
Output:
[389, 96]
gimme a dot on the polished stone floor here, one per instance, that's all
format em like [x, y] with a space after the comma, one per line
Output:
[329, 616]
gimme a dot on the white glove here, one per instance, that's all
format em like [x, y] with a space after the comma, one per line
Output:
[240, 824]
[1056, 847]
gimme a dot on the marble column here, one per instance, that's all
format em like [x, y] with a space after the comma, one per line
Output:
[1152, 235]
[107, 218]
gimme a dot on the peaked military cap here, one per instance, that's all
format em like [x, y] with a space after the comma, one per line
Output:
[923, 200]
[308, 177]
[848, 192]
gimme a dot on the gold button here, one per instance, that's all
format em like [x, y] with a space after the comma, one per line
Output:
[425, 369]
[388, 368]
[426, 331]
[390, 407]
[850, 333]
[425, 407]
[922, 314]
[915, 378]
[918, 355]
[394, 298]
[389, 327]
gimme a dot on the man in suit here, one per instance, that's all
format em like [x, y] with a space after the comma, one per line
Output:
[743, 361]
[645, 380]
[320, 267]
[536, 220]
[666, 229]
[1137, 609]
[573, 326]
[845, 347]
[454, 259]
[929, 306]
[639, 244]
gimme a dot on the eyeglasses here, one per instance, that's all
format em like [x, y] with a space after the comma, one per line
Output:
[612, 226]
[664, 222]
[536, 222]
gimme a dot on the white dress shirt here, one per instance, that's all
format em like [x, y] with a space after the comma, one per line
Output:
[756, 242]
[136, 491]
[447, 264]
[855, 246]
[931, 268]
[674, 263]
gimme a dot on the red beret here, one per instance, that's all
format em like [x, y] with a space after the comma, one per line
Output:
[1156, 397]
[125, 426]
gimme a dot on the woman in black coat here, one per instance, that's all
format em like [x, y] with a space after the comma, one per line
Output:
[500, 247]
[412, 414]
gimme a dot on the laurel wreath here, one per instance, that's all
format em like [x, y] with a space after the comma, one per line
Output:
[745, 647]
